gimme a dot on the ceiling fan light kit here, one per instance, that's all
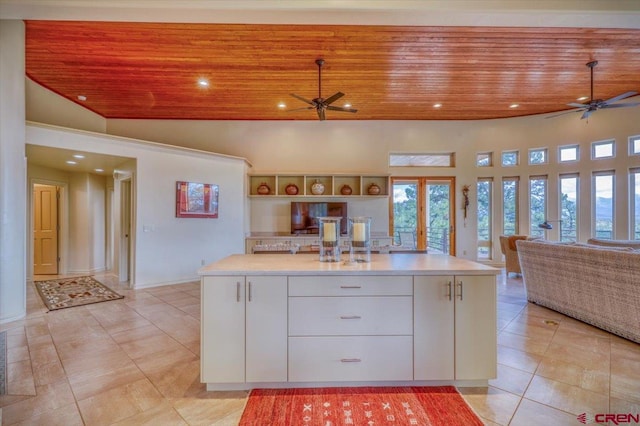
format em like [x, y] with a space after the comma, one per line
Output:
[320, 104]
[595, 104]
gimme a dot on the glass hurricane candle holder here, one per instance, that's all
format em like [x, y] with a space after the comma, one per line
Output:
[329, 234]
[360, 236]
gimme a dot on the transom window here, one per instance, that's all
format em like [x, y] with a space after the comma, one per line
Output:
[445, 159]
[634, 145]
[509, 158]
[569, 153]
[604, 149]
[484, 159]
[538, 156]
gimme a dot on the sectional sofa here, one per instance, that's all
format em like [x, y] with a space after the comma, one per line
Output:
[597, 283]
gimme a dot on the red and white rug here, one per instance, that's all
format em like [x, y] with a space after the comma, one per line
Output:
[366, 406]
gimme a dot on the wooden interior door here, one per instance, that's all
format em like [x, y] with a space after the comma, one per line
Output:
[45, 232]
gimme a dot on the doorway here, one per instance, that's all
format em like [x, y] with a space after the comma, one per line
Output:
[423, 213]
[124, 264]
[45, 229]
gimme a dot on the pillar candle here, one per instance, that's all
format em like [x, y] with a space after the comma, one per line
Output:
[359, 232]
[329, 230]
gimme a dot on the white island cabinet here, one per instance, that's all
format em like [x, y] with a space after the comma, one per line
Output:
[282, 320]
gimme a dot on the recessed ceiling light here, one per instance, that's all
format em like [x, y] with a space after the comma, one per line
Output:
[71, 162]
[99, 170]
[82, 98]
[437, 105]
[347, 105]
[282, 105]
[582, 98]
[203, 82]
[514, 106]
[78, 156]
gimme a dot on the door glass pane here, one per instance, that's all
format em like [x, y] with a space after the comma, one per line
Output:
[537, 205]
[405, 213]
[483, 189]
[569, 208]
[603, 195]
[510, 206]
[438, 222]
[635, 204]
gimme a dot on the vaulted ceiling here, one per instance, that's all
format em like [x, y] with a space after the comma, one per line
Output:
[387, 72]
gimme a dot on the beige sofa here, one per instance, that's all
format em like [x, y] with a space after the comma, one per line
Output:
[597, 284]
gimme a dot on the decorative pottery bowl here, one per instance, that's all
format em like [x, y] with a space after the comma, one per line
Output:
[317, 188]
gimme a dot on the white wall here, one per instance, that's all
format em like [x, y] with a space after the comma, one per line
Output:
[13, 172]
[168, 249]
[335, 146]
[48, 107]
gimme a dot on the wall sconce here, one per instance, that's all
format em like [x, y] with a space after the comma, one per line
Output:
[547, 225]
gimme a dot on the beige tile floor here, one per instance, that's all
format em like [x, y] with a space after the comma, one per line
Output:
[136, 361]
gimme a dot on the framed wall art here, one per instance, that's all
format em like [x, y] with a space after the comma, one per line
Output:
[196, 200]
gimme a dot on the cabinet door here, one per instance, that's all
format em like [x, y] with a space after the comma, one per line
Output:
[222, 330]
[433, 331]
[476, 329]
[266, 341]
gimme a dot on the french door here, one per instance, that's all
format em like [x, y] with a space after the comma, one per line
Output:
[422, 213]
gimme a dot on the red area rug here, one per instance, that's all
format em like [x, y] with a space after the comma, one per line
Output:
[367, 406]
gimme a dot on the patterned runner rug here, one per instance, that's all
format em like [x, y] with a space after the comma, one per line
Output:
[3, 362]
[76, 291]
[367, 406]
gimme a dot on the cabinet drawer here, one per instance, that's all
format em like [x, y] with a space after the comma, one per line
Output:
[340, 316]
[351, 285]
[353, 358]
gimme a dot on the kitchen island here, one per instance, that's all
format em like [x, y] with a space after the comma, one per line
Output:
[289, 320]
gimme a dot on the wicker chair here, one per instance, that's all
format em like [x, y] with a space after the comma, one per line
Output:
[508, 247]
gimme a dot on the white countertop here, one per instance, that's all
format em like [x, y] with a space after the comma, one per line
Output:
[381, 264]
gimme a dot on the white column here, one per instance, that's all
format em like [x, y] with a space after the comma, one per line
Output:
[13, 173]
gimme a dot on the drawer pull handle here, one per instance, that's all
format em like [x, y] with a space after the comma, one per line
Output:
[449, 293]
[238, 291]
[350, 360]
[350, 286]
[350, 317]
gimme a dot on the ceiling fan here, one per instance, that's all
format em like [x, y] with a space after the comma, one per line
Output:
[596, 104]
[320, 104]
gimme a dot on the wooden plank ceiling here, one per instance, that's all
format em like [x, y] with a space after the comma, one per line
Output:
[151, 71]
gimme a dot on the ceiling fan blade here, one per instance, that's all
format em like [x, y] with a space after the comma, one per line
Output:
[563, 113]
[630, 104]
[620, 97]
[343, 109]
[331, 99]
[301, 109]
[321, 115]
[576, 105]
[586, 114]
[302, 99]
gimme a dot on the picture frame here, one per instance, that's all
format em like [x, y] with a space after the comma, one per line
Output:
[196, 200]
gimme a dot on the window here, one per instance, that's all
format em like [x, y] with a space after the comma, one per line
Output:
[603, 202]
[484, 159]
[509, 158]
[483, 190]
[634, 202]
[634, 145]
[604, 149]
[537, 204]
[422, 160]
[510, 205]
[569, 207]
[569, 153]
[538, 156]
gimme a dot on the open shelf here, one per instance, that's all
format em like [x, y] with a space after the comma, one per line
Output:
[333, 185]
